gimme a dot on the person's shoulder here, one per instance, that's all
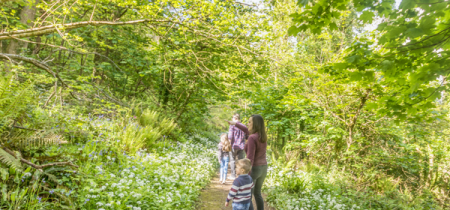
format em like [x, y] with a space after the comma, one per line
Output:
[253, 137]
[236, 182]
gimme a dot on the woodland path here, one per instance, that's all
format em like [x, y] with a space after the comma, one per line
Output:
[213, 197]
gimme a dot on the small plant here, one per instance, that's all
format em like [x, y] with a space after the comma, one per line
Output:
[293, 184]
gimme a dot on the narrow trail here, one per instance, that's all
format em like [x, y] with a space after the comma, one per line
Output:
[213, 197]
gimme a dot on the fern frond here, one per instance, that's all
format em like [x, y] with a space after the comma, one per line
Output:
[4, 174]
[15, 96]
[9, 160]
[40, 141]
[52, 177]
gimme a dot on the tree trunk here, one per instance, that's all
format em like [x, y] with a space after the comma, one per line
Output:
[38, 46]
[27, 16]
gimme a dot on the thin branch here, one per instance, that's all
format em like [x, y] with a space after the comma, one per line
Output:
[19, 127]
[36, 63]
[109, 97]
[435, 90]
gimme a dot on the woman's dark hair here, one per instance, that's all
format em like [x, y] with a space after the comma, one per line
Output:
[258, 127]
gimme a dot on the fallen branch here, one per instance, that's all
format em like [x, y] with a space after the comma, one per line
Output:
[38, 167]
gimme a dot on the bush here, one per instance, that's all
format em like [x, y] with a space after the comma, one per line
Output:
[309, 188]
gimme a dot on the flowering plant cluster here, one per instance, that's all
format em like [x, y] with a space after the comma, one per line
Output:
[167, 179]
[303, 191]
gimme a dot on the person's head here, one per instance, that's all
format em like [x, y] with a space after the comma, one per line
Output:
[226, 145]
[243, 166]
[256, 125]
[236, 117]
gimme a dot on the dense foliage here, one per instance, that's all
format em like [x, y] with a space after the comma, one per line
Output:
[99, 98]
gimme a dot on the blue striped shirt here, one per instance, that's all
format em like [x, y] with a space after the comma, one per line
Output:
[241, 190]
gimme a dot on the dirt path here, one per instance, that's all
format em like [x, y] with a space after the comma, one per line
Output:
[213, 197]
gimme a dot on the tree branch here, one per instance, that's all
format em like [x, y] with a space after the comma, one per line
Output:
[39, 167]
[34, 62]
[19, 127]
[53, 28]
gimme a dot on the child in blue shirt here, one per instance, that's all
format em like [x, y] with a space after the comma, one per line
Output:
[241, 191]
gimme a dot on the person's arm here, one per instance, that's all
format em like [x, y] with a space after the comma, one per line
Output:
[219, 153]
[251, 149]
[233, 190]
[231, 135]
[242, 127]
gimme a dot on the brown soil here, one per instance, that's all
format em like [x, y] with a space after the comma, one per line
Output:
[213, 197]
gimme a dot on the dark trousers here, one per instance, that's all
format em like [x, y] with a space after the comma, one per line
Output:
[258, 175]
[235, 155]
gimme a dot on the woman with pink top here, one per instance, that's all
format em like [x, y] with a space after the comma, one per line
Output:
[255, 148]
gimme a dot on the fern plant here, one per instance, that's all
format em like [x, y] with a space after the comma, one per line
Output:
[15, 96]
[143, 130]
[153, 119]
[40, 140]
[10, 160]
[133, 137]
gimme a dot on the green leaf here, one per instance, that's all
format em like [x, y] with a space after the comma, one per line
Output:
[293, 30]
[340, 66]
[303, 2]
[386, 65]
[395, 32]
[352, 59]
[414, 32]
[367, 16]
[355, 76]
[333, 26]
[13, 196]
[4, 192]
[427, 23]
[407, 4]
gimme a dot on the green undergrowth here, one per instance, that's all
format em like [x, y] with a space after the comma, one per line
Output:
[169, 177]
[130, 160]
[310, 187]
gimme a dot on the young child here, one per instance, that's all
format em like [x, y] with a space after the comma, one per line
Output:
[224, 157]
[241, 191]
